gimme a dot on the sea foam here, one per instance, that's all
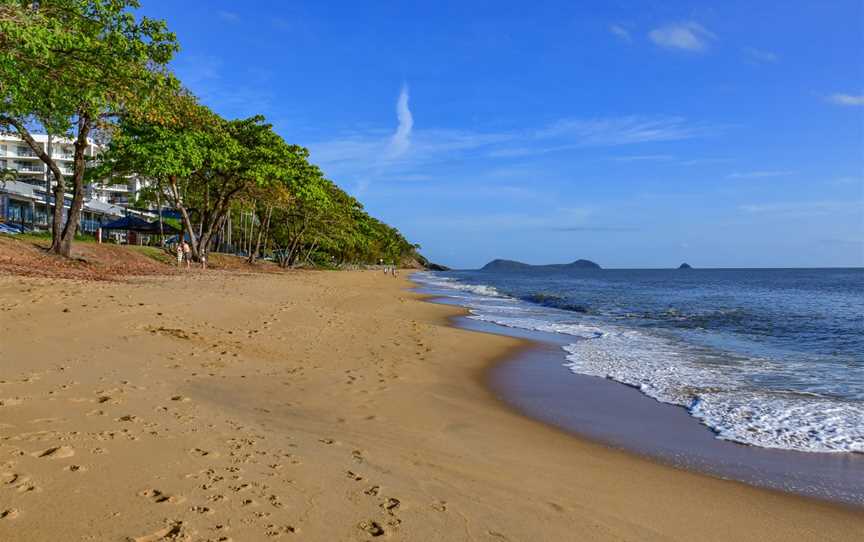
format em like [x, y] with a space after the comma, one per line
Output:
[715, 387]
[719, 395]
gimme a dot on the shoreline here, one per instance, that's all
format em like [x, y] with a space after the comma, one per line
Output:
[313, 406]
[535, 383]
[708, 457]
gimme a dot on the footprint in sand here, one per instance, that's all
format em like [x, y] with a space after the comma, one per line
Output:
[159, 497]
[19, 482]
[10, 478]
[274, 531]
[371, 527]
[198, 452]
[48, 420]
[175, 531]
[391, 505]
[10, 513]
[56, 452]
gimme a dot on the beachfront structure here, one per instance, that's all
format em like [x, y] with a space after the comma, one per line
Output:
[26, 204]
[27, 201]
[16, 154]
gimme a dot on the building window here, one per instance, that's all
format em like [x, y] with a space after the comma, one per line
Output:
[19, 211]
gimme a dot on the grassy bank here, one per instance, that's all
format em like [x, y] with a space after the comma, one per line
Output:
[27, 255]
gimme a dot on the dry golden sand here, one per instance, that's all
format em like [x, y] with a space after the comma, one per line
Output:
[312, 406]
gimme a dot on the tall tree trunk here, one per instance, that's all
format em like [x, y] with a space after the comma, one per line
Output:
[261, 230]
[184, 215]
[159, 210]
[208, 236]
[248, 247]
[74, 215]
[309, 252]
[59, 188]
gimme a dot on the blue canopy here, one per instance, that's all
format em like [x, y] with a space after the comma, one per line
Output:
[133, 223]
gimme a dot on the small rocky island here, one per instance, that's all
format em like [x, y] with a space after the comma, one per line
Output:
[505, 266]
[685, 265]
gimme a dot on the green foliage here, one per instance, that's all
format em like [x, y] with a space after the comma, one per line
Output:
[67, 59]
[73, 67]
[69, 67]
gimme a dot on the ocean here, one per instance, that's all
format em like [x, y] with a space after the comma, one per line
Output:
[772, 358]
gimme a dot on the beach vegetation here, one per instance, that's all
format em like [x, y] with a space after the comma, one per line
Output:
[69, 68]
[91, 69]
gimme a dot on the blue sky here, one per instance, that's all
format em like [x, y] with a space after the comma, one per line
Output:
[632, 133]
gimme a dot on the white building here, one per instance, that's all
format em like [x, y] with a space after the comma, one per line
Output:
[16, 154]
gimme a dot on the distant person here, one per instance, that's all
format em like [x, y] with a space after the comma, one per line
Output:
[179, 251]
[203, 260]
[187, 254]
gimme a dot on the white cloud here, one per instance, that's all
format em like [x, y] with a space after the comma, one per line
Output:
[760, 174]
[847, 99]
[548, 219]
[401, 140]
[703, 161]
[620, 32]
[621, 130]
[761, 56]
[204, 75]
[798, 209]
[228, 16]
[688, 36]
[848, 180]
[644, 158]
[369, 155]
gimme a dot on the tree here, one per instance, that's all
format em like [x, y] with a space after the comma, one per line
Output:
[205, 164]
[70, 67]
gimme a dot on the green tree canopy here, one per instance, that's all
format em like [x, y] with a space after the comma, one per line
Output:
[70, 67]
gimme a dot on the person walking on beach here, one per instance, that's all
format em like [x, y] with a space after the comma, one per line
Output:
[179, 250]
[187, 254]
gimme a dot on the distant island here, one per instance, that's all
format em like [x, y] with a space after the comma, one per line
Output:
[510, 266]
[685, 265]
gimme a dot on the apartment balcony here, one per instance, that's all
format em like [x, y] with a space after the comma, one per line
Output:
[119, 188]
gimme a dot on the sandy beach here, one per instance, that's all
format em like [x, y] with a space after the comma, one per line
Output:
[312, 406]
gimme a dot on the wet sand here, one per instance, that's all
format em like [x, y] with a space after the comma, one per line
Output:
[313, 406]
[537, 383]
